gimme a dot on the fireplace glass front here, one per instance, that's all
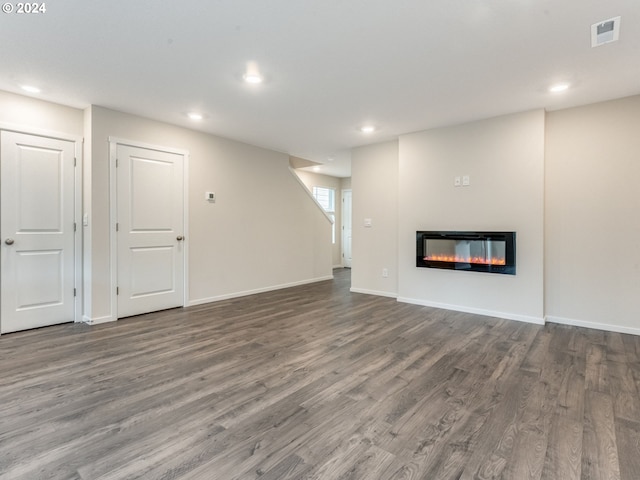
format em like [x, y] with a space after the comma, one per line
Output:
[492, 252]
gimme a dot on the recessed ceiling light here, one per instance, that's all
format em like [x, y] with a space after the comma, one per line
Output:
[252, 73]
[367, 129]
[30, 89]
[560, 87]
[253, 78]
[195, 116]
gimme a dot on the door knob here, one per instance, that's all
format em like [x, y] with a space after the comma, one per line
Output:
[9, 241]
[179, 238]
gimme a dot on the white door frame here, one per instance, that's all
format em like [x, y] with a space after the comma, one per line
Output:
[113, 214]
[78, 142]
[343, 233]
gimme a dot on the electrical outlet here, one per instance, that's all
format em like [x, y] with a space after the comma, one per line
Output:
[456, 181]
[385, 273]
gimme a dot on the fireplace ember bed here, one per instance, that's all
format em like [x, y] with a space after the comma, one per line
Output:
[490, 252]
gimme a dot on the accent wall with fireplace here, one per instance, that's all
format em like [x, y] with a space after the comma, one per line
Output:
[502, 163]
[563, 180]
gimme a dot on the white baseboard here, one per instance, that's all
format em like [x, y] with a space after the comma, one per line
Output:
[337, 266]
[597, 326]
[477, 311]
[373, 292]
[201, 301]
[98, 320]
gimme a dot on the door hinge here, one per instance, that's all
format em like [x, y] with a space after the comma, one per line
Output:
[116, 163]
[74, 292]
[117, 290]
[117, 227]
[75, 161]
[75, 227]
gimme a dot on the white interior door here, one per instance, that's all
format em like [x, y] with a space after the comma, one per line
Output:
[346, 228]
[37, 228]
[150, 236]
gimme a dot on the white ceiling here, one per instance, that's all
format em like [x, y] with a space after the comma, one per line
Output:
[330, 65]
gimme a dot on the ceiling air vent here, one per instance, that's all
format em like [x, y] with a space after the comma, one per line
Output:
[606, 31]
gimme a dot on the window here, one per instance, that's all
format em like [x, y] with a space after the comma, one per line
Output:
[326, 197]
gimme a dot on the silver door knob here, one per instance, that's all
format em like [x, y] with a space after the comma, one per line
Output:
[9, 241]
[179, 238]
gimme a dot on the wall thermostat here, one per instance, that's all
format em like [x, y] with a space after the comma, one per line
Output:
[210, 196]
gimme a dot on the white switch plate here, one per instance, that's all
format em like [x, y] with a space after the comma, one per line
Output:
[456, 181]
[466, 181]
[367, 222]
[210, 196]
[385, 272]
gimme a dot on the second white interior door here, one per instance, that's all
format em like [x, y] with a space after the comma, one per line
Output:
[150, 235]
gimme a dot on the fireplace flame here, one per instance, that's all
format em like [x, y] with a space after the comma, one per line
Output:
[460, 259]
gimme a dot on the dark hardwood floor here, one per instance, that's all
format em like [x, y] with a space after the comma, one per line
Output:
[314, 382]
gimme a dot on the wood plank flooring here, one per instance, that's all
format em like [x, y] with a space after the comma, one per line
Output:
[315, 382]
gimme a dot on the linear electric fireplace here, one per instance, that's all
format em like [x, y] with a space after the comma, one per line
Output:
[492, 252]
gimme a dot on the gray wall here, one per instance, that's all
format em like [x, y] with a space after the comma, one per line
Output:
[592, 215]
[580, 190]
[411, 187]
[263, 232]
[504, 158]
[564, 180]
[311, 179]
[374, 183]
[20, 111]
